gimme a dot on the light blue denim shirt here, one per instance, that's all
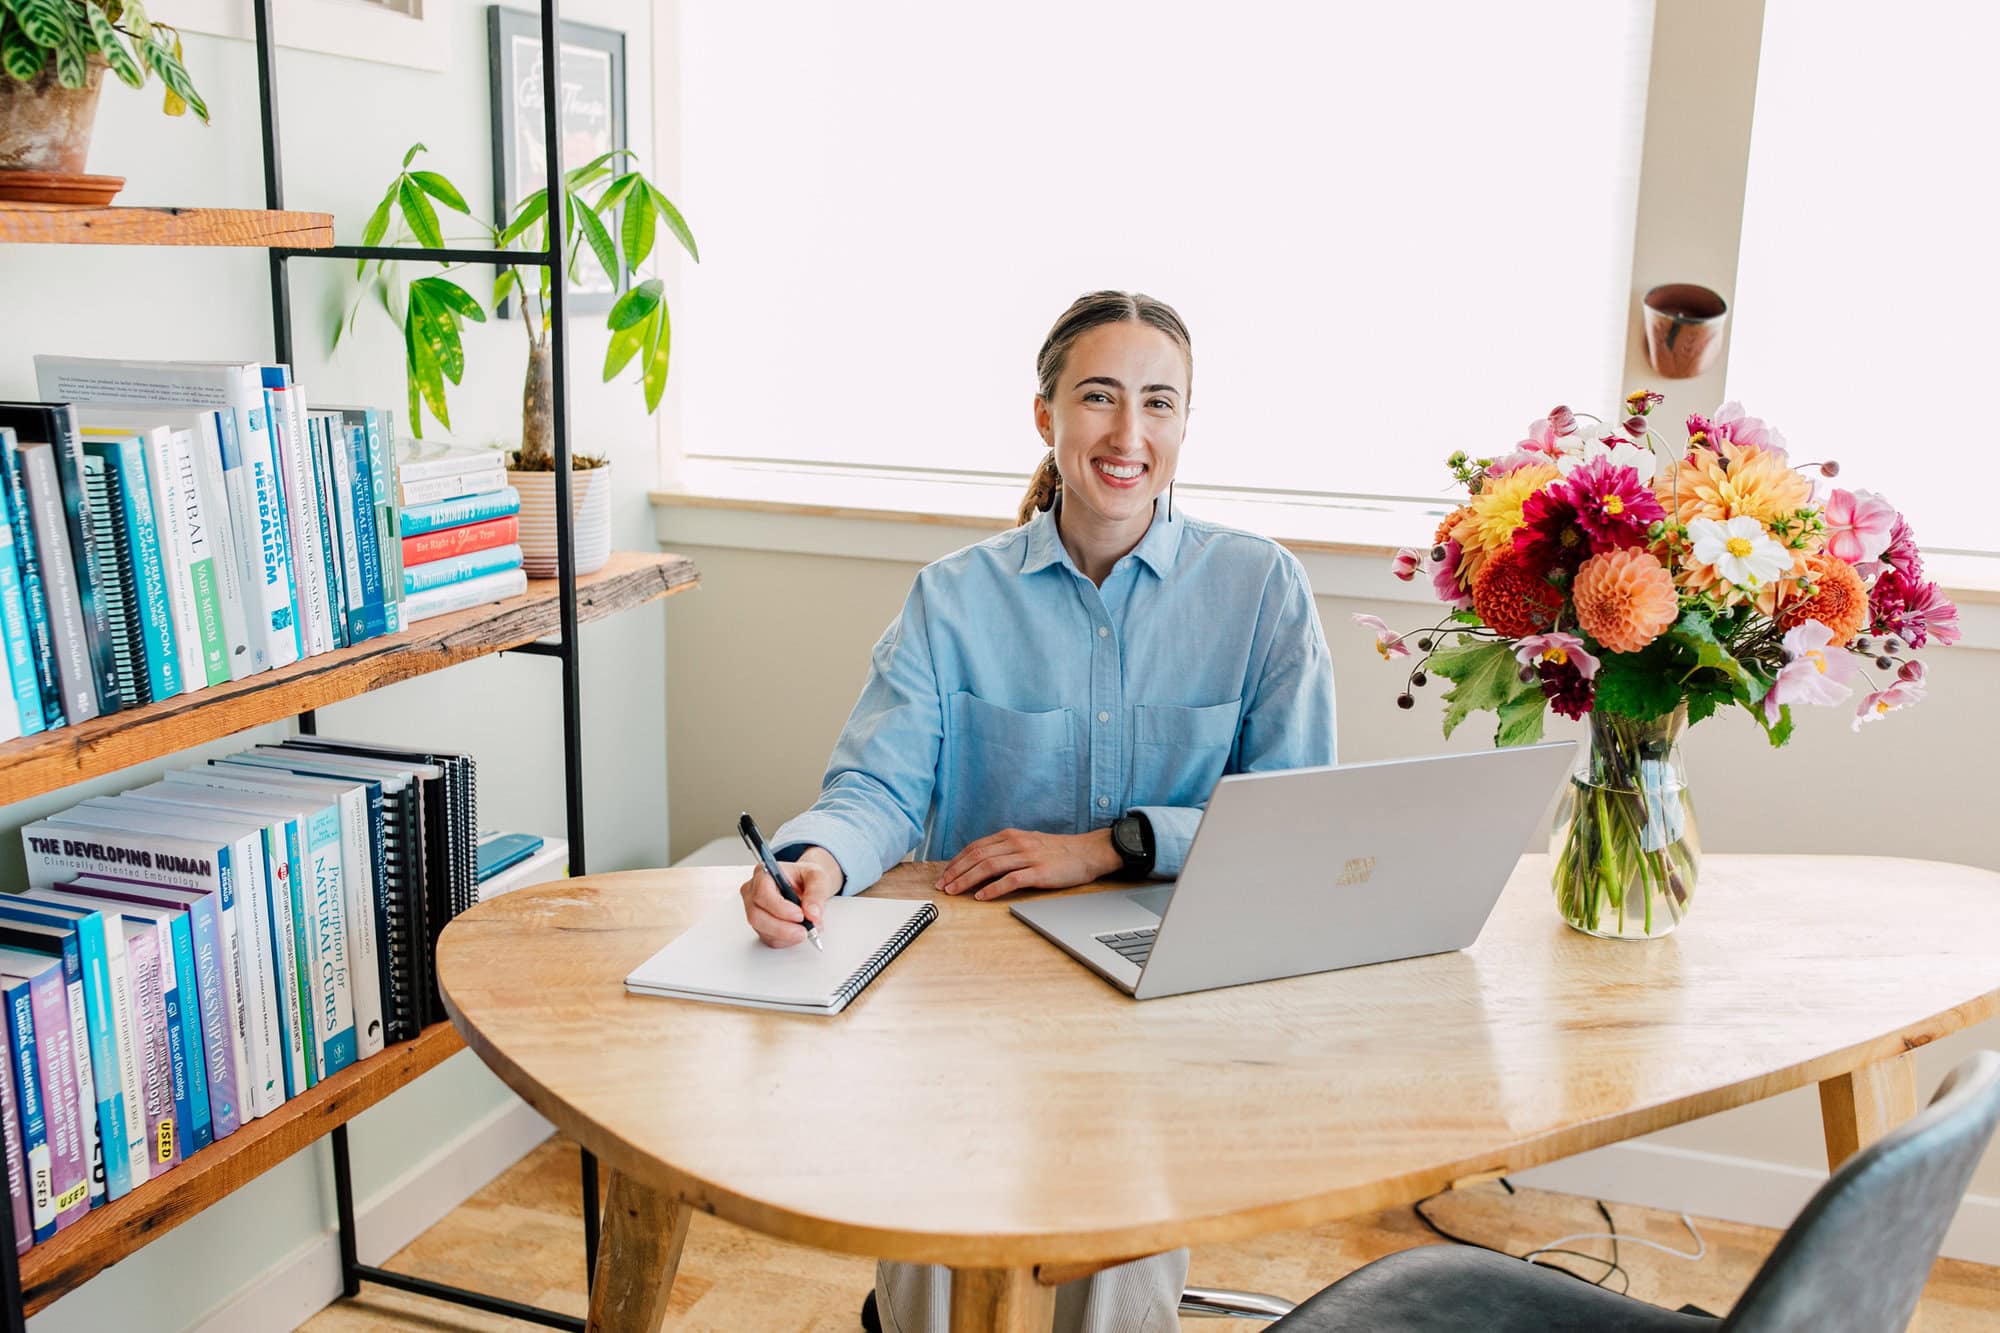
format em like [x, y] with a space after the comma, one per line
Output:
[1013, 693]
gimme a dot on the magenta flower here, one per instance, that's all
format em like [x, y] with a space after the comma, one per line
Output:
[1881, 703]
[1816, 672]
[1859, 525]
[1561, 420]
[1911, 609]
[1555, 649]
[1444, 577]
[1387, 641]
[1552, 534]
[1406, 564]
[1914, 671]
[1901, 554]
[1614, 506]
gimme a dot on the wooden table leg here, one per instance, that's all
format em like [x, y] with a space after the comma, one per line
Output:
[1861, 1107]
[636, 1257]
[1000, 1300]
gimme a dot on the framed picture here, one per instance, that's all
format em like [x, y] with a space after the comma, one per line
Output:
[592, 72]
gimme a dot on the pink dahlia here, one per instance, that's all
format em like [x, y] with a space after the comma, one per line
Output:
[1913, 610]
[1614, 506]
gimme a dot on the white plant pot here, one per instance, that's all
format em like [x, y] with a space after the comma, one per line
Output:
[590, 512]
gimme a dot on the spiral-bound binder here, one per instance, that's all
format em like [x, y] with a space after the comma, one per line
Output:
[117, 586]
[720, 960]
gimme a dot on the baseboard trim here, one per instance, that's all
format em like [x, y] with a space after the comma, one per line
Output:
[308, 1280]
[1735, 1189]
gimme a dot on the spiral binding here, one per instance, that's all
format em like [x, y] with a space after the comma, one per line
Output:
[894, 945]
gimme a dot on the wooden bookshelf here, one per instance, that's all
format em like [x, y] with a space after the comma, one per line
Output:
[85, 224]
[107, 1234]
[32, 765]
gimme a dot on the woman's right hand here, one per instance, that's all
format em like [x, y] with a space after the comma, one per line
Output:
[815, 877]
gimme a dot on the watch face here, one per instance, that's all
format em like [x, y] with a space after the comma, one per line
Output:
[1125, 836]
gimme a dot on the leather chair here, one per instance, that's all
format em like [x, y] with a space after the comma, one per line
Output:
[1854, 1261]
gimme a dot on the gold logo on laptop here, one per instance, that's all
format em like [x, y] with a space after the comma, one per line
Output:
[1356, 870]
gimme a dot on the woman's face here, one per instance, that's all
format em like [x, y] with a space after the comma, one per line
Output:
[1116, 420]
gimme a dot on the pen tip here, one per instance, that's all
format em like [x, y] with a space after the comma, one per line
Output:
[817, 944]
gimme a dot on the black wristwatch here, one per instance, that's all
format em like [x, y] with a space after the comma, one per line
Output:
[1132, 836]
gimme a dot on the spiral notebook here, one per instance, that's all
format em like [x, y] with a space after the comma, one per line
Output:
[722, 961]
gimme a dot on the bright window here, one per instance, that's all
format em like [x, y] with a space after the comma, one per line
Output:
[1393, 230]
[1865, 324]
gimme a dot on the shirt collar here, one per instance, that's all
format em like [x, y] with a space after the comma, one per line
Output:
[1157, 549]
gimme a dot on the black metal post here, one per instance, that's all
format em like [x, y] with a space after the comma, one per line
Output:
[477, 1300]
[343, 1203]
[12, 1318]
[274, 182]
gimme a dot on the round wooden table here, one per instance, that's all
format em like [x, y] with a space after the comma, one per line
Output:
[990, 1105]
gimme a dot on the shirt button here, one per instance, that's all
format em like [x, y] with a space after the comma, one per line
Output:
[1103, 801]
[1104, 717]
[1104, 631]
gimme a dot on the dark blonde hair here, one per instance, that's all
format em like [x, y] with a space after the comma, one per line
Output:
[1084, 314]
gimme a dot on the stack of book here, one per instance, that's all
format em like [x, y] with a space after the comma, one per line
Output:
[170, 525]
[191, 954]
[461, 528]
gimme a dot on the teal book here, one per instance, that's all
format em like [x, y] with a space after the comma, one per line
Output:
[420, 519]
[459, 568]
[34, 592]
[125, 456]
[19, 639]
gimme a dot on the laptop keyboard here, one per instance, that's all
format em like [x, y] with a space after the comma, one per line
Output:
[1134, 945]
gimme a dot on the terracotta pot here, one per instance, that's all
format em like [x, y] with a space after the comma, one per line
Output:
[590, 513]
[45, 126]
[1684, 323]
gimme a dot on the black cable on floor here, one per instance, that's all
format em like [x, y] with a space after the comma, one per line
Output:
[1611, 1265]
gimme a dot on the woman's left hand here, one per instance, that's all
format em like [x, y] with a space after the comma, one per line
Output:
[1011, 859]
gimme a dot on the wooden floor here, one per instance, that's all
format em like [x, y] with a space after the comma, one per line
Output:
[522, 1238]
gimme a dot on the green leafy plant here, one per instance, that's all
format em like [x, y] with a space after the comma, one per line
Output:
[69, 34]
[611, 218]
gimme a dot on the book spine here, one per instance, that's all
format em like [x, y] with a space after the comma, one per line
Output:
[288, 429]
[116, 592]
[313, 535]
[177, 1063]
[35, 1147]
[450, 488]
[142, 947]
[459, 568]
[368, 548]
[421, 519]
[465, 539]
[280, 943]
[458, 596]
[274, 611]
[209, 453]
[215, 983]
[16, 1158]
[340, 459]
[101, 1009]
[89, 1132]
[364, 947]
[305, 957]
[127, 1039]
[73, 654]
[67, 449]
[185, 1021]
[56, 1062]
[264, 1040]
[163, 483]
[149, 578]
[333, 994]
[34, 588]
[329, 531]
[19, 639]
[389, 528]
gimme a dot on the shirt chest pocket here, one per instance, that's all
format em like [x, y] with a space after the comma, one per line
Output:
[1179, 753]
[1010, 769]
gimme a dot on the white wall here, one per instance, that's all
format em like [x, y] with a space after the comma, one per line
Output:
[345, 126]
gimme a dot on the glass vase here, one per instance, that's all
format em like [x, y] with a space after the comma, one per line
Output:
[1626, 855]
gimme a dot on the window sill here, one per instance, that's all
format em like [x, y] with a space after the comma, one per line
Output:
[1345, 543]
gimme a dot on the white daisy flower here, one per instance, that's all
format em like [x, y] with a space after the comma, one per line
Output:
[1625, 453]
[1741, 551]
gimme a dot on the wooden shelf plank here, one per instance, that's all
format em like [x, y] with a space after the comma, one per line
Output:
[108, 1234]
[83, 224]
[35, 764]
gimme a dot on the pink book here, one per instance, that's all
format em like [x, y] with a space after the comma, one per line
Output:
[55, 1062]
[149, 1041]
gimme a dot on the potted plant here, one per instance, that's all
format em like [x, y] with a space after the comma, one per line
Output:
[53, 54]
[611, 218]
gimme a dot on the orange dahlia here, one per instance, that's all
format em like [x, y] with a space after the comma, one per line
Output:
[1738, 479]
[1514, 596]
[1838, 600]
[1451, 521]
[1625, 599]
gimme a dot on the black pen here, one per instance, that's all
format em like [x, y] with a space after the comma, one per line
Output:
[748, 828]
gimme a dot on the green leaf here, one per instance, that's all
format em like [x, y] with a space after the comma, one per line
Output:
[19, 56]
[578, 177]
[377, 228]
[411, 156]
[614, 194]
[435, 328]
[636, 304]
[1638, 685]
[1521, 717]
[599, 238]
[122, 61]
[675, 222]
[454, 297]
[625, 344]
[132, 15]
[167, 64]
[417, 211]
[656, 362]
[531, 212]
[440, 189]
[426, 377]
[637, 230]
[1778, 732]
[72, 65]
[1485, 675]
[46, 22]
[1696, 635]
[503, 284]
[1704, 699]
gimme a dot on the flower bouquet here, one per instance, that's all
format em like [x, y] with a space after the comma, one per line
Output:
[1603, 572]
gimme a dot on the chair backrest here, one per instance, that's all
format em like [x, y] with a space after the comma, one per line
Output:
[1857, 1257]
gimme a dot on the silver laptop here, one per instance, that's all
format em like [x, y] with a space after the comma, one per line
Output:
[1313, 869]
